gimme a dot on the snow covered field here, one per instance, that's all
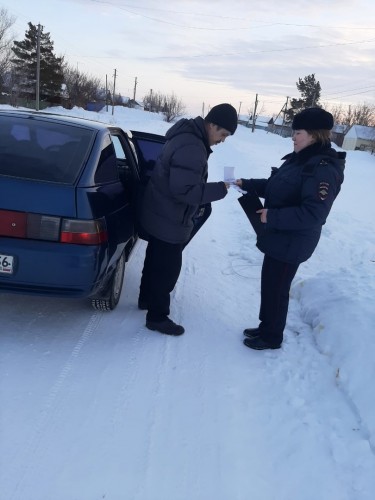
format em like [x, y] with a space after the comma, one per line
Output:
[94, 406]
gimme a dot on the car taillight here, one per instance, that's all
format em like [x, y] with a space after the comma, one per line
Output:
[33, 226]
[49, 228]
[83, 232]
[13, 224]
[43, 227]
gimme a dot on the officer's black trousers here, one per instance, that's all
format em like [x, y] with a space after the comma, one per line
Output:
[276, 280]
[160, 273]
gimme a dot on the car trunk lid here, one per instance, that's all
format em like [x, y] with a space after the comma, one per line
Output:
[36, 196]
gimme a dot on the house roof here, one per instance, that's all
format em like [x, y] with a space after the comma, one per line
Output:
[339, 129]
[276, 121]
[362, 132]
[261, 120]
[124, 99]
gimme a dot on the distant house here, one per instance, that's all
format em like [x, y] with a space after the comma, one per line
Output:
[360, 137]
[244, 120]
[121, 100]
[128, 102]
[278, 126]
[266, 123]
[95, 106]
[338, 134]
[134, 104]
[262, 122]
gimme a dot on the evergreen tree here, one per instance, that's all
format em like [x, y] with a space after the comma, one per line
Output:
[25, 65]
[310, 91]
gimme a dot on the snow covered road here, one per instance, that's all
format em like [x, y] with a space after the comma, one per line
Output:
[94, 406]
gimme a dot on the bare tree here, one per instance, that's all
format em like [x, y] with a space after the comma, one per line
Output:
[6, 41]
[360, 114]
[173, 108]
[169, 105]
[154, 101]
[80, 87]
[337, 112]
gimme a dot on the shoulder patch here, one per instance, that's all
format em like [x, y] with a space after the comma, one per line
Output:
[323, 190]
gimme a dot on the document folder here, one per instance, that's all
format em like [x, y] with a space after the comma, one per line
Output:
[250, 203]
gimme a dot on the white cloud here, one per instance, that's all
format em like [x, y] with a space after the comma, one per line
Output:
[236, 46]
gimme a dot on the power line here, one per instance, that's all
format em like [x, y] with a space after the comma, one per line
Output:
[265, 24]
[348, 95]
[230, 54]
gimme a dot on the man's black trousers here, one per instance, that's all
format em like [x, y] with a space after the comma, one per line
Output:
[276, 280]
[160, 273]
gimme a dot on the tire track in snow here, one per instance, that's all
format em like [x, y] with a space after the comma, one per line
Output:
[158, 420]
[50, 408]
[178, 427]
[197, 364]
[134, 370]
[131, 367]
[154, 419]
[130, 376]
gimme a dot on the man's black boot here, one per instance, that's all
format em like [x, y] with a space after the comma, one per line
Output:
[251, 333]
[166, 326]
[259, 344]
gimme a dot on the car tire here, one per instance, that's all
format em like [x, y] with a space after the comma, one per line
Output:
[114, 288]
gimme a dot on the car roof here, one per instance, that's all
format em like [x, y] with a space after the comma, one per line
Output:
[55, 117]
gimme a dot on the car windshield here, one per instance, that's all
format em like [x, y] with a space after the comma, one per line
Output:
[42, 150]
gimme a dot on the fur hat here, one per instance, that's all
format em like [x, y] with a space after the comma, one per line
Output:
[224, 116]
[313, 119]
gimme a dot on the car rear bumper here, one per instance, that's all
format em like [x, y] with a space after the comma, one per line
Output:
[45, 268]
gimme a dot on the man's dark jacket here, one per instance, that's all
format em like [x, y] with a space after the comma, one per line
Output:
[178, 184]
[299, 196]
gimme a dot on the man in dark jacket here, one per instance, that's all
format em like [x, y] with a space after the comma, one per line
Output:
[298, 197]
[177, 187]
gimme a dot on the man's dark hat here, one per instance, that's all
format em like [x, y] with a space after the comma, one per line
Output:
[313, 119]
[224, 116]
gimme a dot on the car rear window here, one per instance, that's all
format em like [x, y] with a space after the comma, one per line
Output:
[42, 150]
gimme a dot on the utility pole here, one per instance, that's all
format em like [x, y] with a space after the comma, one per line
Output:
[283, 110]
[37, 90]
[202, 109]
[255, 110]
[114, 91]
[77, 92]
[106, 93]
[135, 87]
[239, 110]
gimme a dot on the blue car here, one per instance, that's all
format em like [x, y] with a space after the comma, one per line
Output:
[68, 190]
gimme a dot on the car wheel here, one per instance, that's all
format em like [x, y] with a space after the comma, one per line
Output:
[113, 291]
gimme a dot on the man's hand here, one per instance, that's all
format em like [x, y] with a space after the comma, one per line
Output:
[263, 214]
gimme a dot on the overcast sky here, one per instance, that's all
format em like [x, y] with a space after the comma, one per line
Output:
[212, 51]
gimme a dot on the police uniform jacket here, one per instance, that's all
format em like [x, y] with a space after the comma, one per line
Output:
[178, 184]
[299, 196]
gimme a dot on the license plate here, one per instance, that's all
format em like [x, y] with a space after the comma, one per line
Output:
[6, 264]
